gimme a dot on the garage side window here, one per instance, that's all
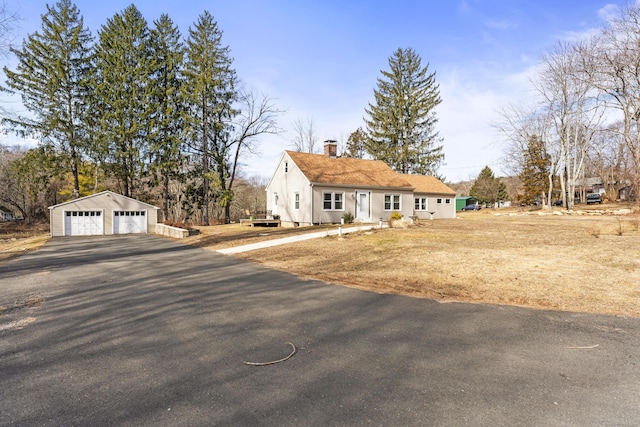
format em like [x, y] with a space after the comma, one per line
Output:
[83, 213]
[128, 213]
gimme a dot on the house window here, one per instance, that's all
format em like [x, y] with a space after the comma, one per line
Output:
[286, 167]
[326, 201]
[447, 201]
[420, 204]
[337, 201]
[439, 201]
[296, 201]
[333, 201]
[391, 202]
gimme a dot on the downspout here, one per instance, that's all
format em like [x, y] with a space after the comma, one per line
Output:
[311, 216]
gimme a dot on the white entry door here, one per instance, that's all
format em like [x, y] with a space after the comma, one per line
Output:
[274, 207]
[127, 222]
[363, 208]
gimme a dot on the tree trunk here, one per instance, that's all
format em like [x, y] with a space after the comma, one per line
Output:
[205, 190]
[165, 197]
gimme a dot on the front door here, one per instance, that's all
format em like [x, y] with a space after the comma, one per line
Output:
[363, 210]
[274, 206]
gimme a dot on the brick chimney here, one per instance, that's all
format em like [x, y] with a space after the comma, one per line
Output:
[331, 148]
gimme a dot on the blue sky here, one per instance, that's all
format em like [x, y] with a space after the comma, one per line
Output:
[320, 60]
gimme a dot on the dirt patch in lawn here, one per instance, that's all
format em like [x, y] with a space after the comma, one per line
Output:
[573, 263]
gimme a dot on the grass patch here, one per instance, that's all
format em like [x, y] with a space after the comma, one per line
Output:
[17, 238]
[545, 262]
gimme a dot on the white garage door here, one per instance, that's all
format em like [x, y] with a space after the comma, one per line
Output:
[126, 222]
[83, 223]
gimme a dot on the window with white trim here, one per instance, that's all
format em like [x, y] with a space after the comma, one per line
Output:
[447, 201]
[392, 202]
[439, 201]
[296, 201]
[333, 201]
[420, 204]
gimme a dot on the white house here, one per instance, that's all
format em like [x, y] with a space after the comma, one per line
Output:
[431, 197]
[310, 189]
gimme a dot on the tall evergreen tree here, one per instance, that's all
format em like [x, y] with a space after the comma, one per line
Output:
[210, 92]
[488, 189]
[123, 99]
[535, 171]
[355, 144]
[167, 102]
[52, 76]
[401, 124]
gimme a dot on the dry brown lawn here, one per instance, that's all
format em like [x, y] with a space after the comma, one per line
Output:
[588, 263]
[569, 263]
[17, 238]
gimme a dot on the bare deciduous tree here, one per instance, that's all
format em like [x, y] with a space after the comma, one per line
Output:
[257, 116]
[572, 102]
[609, 159]
[520, 125]
[8, 21]
[616, 54]
[304, 135]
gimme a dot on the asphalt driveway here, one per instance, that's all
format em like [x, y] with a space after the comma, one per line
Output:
[140, 330]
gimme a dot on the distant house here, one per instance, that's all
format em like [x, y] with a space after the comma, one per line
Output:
[5, 215]
[620, 189]
[310, 189]
[589, 185]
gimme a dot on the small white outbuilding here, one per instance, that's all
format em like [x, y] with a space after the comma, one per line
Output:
[102, 213]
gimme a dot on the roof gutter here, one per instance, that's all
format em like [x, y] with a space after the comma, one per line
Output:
[368, 187]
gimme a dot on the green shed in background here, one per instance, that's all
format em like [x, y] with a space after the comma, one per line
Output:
[461, 202]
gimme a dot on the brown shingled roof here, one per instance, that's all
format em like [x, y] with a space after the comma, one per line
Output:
[322, 169]
[428, 184]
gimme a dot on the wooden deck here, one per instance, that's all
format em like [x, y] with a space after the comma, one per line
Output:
[259, 222]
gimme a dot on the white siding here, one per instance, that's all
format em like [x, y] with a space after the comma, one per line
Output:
[107, 202]
[285, 185]
[440, 210]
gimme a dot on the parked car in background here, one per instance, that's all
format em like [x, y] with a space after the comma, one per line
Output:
[594, 198]
[471, 208]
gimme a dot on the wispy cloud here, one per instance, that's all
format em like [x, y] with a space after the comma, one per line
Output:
[609, 12]
[463, 7]
[501, 25]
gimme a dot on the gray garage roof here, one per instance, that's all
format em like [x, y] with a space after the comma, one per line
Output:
[103, 193]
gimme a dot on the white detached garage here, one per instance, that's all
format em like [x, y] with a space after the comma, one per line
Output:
[102, 213]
